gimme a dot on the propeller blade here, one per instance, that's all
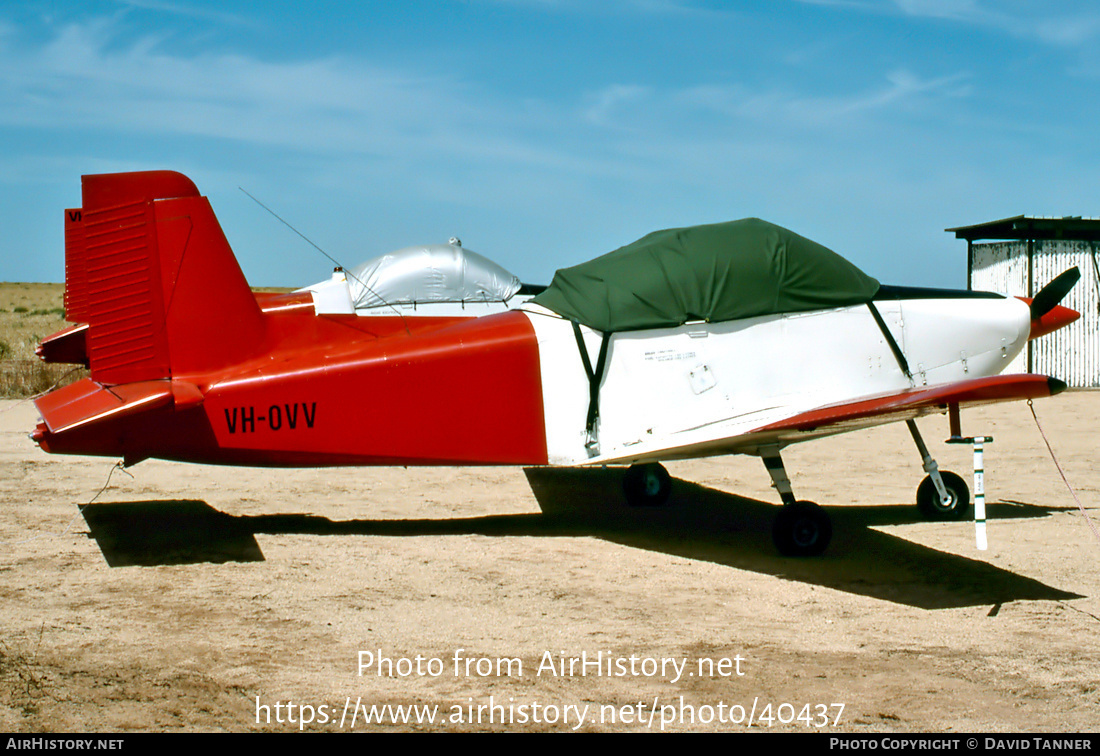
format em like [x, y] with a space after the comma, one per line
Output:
[1053, 293]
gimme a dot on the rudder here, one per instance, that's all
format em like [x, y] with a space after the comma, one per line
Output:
[148, 268]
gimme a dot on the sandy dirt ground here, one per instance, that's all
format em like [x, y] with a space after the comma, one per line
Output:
[199, 598]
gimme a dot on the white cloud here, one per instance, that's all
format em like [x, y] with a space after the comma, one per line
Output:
[608, 102]
[1071, 25]
[720, 105]
[88, 78]
[618, 7]
[956, 9]
[189, 11]
[1070, 31]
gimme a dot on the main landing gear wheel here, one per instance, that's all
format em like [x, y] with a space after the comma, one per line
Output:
[647, 485]
[802, 529]
[956, 508]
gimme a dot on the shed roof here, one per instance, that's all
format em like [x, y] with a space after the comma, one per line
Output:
[1030, 227]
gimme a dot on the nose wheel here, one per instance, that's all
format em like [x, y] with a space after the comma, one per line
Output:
[942, 495]
[954, 506]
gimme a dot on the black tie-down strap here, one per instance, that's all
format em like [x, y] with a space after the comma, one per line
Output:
[594, 378]
[898, 354]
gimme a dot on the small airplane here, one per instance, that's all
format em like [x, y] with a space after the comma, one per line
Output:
[732, 338]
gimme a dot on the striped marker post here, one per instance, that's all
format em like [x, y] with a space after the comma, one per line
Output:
[979, 493]
[979, 443]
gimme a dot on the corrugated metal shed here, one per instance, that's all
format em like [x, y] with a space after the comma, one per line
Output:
[1022, 255]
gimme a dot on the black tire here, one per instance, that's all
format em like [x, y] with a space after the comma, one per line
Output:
[928, 500]
[802, 529]
[647, 485]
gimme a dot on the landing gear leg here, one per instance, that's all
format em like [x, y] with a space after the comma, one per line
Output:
[941, 495]
[801, 528]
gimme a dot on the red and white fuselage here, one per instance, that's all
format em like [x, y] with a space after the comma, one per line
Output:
[187, 363]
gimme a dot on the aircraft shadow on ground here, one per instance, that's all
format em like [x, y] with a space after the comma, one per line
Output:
[148, 533]
[697, 523]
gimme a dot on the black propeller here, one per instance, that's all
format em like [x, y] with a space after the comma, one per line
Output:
[1053, 293]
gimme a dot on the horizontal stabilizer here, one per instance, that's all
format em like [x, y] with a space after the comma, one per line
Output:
[86, 401]
[68, 346]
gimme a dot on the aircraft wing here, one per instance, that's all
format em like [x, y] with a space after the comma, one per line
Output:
[906, 405]
[842, 417]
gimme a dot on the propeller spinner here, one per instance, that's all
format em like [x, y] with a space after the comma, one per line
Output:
[1046, 314]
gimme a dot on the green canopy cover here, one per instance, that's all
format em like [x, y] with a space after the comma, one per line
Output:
[722, 271]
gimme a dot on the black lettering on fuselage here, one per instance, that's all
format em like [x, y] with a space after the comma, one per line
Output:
[243, 419]
[75, 216]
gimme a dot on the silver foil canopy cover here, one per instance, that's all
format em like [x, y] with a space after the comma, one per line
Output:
[430, 273]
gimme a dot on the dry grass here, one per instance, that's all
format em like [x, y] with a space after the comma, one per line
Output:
[28, 313]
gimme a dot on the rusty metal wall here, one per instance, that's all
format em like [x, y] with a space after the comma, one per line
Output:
[1072, 353]
[1001, 267]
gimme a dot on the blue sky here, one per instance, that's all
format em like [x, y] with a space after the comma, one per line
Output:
[546, 132]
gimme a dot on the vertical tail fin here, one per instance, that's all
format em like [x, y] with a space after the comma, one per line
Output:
[148, 268]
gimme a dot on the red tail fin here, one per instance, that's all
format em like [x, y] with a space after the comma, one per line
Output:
[148, 268]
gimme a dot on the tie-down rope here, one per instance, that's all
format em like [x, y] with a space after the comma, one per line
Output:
[1061, 471]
